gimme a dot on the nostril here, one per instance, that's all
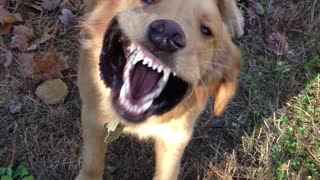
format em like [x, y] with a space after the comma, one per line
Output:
[179, 40]
[157, 27]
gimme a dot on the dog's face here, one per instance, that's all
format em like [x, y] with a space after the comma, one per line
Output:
[156, 53]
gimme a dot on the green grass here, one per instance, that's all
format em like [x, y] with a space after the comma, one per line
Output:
[297, 152]
[20, 173]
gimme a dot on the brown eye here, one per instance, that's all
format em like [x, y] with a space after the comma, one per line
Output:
[205, 30]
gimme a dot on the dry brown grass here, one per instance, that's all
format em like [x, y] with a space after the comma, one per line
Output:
[240, 145]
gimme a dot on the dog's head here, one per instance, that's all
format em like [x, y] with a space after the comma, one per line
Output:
[157, 53]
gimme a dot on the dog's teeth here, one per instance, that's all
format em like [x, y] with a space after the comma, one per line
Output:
[154, 67]
[160, 68]
[147, 105]
[136, 109]
[124, 90]
[131, 108]
[145, 61]
[139, 56]
[166, 74]
[150, 64]
[127, 105]
[136, 59]
[131, 48]
[174, 74]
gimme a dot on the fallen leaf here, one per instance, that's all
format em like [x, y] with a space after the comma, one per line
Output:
[67, 18]
[6, 59]
[278, 44]
[44, 67]
[22, 35]
[13, 18]
[32, 47]
[49, 5]
[27, 86]
[257, 8]
[15, 108]
[52, 91]
[46, 34]
[4, 14]
[6, 20]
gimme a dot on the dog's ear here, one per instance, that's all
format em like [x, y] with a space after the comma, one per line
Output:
[227, 87]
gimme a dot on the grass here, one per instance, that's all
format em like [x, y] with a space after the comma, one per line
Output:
[271, 129]
[21, 173]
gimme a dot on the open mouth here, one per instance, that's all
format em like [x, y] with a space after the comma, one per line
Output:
[141, 84]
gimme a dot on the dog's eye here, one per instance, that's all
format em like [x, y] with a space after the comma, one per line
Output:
[148, 2]
[205, 30]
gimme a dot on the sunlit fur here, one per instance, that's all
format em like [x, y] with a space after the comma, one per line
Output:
[209, 64]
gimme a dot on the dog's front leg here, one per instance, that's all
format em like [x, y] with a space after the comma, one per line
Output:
[168, 158]
[232, 17]
[93, 146]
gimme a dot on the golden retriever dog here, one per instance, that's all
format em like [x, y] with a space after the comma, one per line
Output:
[152, 65]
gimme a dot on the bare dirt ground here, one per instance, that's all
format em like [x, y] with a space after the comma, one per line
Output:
[270, 130]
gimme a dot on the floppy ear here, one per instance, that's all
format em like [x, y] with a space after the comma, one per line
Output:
[225, 90]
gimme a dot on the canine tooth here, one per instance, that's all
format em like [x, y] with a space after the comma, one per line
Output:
[123, 91]
[139, 56]
[136, 60]
[174, 74]
[166, 74]
[147, 105]
[140, 110]
[131, 47]
[127, 69]
[150, 64]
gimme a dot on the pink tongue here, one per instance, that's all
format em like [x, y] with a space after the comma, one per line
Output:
[143, 81]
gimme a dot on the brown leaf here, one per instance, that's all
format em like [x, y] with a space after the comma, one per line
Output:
[46, 34]
[4, 14]
[52, 91]
[28, 63]
[6, 20]
[5, 29]
[44, 67]
[22, 34]
[278, 44]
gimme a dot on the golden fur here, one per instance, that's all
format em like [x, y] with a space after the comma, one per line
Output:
[211, 66]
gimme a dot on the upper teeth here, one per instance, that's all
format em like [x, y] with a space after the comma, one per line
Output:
[136, 55]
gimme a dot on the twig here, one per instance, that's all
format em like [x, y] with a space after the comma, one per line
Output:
[312, 11]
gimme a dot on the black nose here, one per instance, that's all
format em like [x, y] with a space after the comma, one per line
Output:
[167, 35]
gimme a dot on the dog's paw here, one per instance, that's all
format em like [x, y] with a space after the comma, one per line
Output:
[235, 25]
